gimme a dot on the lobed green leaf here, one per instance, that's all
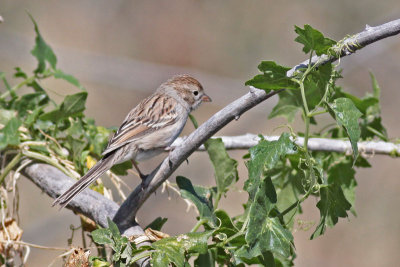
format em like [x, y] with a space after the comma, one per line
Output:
[200, 197]
[59, 74]
[42, 51]
[225, 167]
[72, 105]
[173, 249]
[273, 77]
[9, 135]
[265, 155]
[313, 39]
[332, 205]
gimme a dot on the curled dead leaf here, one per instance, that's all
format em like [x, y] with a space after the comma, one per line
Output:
[78, 257]
[11, 232]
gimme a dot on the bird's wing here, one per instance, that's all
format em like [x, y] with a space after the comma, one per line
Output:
[153, 113]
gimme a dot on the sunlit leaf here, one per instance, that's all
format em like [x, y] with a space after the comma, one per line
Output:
[273, 77]
[313, 39]
[347, 115]
[59, 74]
[332, 205]
[199, 197]
[42, 51]
[225, 167]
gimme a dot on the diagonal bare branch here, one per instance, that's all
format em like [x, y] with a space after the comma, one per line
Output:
[128, 209]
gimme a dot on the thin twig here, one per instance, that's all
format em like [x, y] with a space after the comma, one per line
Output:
[31, 245]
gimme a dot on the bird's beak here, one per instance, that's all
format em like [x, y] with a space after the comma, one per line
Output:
[205, 98]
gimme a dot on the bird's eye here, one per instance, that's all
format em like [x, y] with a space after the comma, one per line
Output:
[196, 92]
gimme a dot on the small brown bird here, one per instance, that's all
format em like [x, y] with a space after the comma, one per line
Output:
[149, 129]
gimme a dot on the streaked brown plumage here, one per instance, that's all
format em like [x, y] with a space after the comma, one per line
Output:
[148, 129]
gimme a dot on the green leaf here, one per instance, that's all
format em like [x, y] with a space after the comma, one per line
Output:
[32, 117]
[225, 167]
[71, 106]
[224, 219]
[371, 122]
[205, 260]
[59, 74]
[42, 51]
[173, 249]
[98, 138]
[19, 73]
[266, 155]
[102, 236]
[289, 194]
[6, 115]
[114, 229]
[284, 108]
[9, 135]
[160, 259]
[273, 77]
[247, 255]
[74, 104]
[127, 253]
[122, 168]
[197, 197]
[347, 115]
[30, 102]
[157, 224]
[333, 204]
[98, 262]
[7, 85]
[76, 146]
[314, 40]
[343, 174]
[375, 86]
[263, 232]
[315, 85]
[290, 101]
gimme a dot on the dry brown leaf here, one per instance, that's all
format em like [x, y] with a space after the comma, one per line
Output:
[87, 224]
[12, 232]
[78, 258]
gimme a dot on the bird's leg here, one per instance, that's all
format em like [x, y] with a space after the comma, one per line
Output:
[141, 175]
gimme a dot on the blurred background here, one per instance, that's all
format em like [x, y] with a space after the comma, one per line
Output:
[122, 50]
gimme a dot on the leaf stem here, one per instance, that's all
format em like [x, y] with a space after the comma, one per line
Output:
[380, 135]
[18, 86]
[314, 113]
[141, 256]
[306, 134]
[48, 160]
[294, 205]
[303, 97]
[198, 224]
[217, 199]
[241, 231]
[194, 121]
[10, 166]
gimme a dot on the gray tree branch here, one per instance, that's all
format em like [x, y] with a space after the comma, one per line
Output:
[247, 141]
[353, 43]
[89, 203]
[126, 213]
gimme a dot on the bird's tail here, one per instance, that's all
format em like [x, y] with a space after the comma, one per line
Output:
[95, 172]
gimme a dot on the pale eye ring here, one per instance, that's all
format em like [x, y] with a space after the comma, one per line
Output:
[196, 93]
